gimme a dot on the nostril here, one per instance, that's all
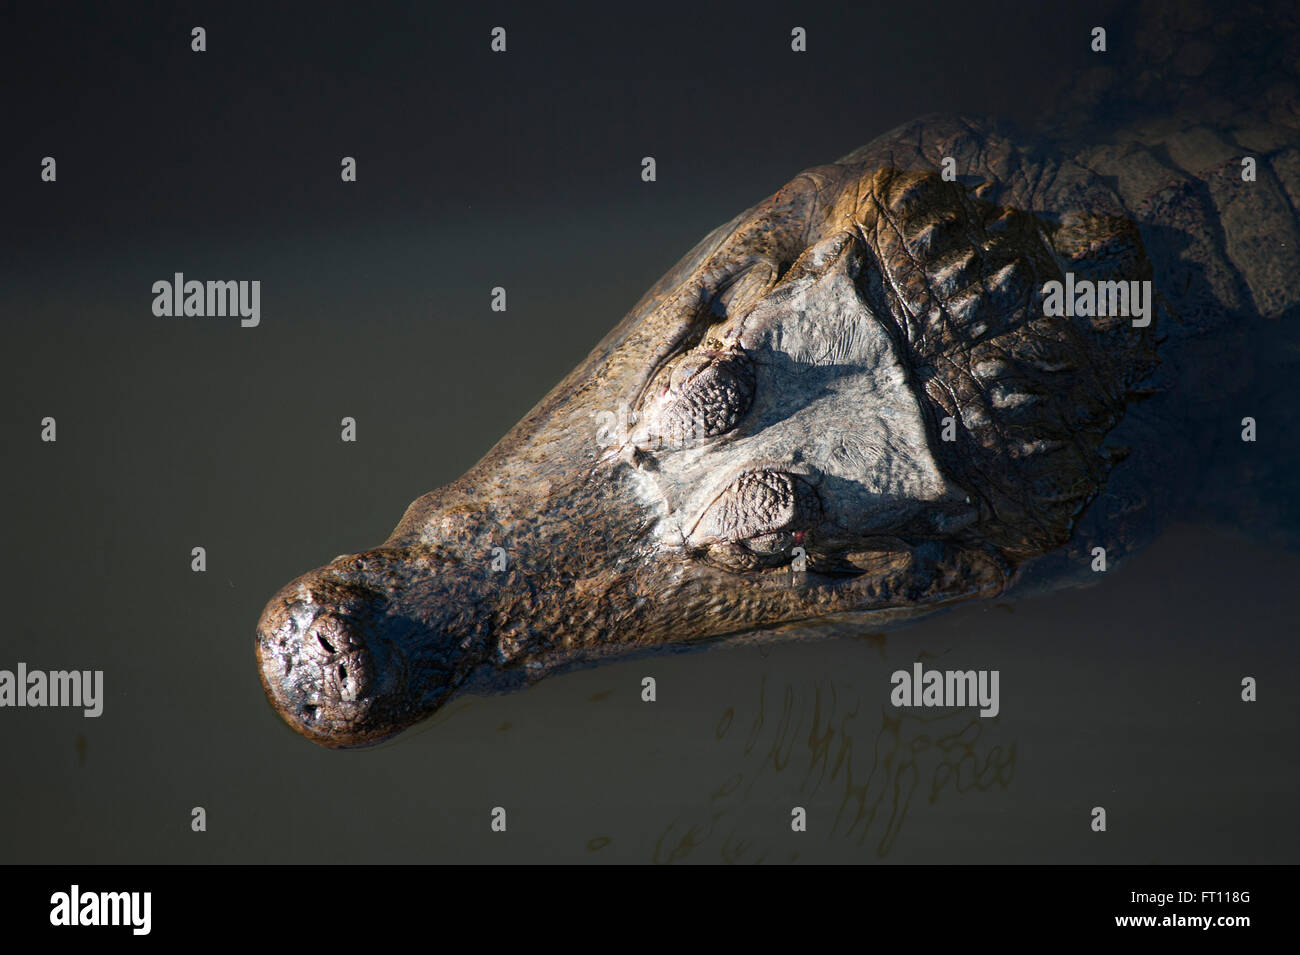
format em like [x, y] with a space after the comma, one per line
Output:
[343, 674]
[309, 711]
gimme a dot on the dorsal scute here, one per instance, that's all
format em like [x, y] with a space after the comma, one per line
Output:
[1034, 394]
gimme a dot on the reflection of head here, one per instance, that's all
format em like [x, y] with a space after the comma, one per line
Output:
[821, 743]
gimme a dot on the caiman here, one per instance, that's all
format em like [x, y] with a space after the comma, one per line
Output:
[865, 395]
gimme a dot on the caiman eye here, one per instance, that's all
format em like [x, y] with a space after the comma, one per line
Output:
[758, 519]
[700, 394]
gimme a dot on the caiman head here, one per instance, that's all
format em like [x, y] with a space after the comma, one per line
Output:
[847, 399]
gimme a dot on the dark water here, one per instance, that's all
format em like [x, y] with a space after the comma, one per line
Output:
[475, 173]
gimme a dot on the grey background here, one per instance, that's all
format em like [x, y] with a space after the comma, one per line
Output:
[521, 170]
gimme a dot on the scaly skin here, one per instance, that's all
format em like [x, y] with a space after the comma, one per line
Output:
[816, 342]
[789, 381]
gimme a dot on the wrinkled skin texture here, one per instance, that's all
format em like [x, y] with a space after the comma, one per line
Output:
[788, 384]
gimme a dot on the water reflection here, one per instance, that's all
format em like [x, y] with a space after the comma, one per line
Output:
[831, 744]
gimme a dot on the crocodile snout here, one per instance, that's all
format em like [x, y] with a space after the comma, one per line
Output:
[327, 670]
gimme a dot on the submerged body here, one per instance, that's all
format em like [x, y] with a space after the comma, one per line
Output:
[870, 393]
